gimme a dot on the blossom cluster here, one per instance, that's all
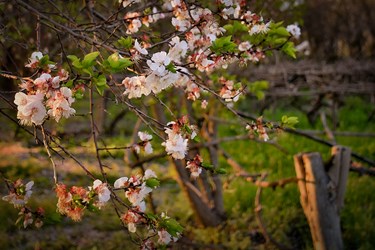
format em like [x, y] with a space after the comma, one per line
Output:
[45, 96]
[74, 201]
[195, 166]
[136, 188]
[179, 132]
[29, 217]
[259, 129]
[192, 49]
[19, 194]
[229, 91]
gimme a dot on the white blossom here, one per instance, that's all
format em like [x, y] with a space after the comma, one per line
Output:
[34, 59]
[294, 30]
[119, 183]
[102, 190]
[140, 49]
[175, 145]
[158, 63]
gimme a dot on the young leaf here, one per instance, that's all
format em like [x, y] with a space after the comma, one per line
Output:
[126, 43]
[170, 67]
[221, 171]
[152, 182]
[100, 83]
[76, 62]
[44, 61]
[223, 44]
[289, 121]
[288, 48]
[89, 59]
[172, 227]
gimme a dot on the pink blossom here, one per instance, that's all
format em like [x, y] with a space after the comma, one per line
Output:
[60, 103]
[136, 86]
[30, 108]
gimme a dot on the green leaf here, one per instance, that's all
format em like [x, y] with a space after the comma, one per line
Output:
[172, 227]
[76, 62]
[152, 182]
[289, 121]
[235, 28]
[197, 139]
[221, 171]
[288, 48]
[223, 44]
[170, 67]
[89, 59]
[44, 61]
[69, 84]
[91, 56]
[78, 94]
[207, 166]
[92, 208]
[151, 216]
[100, 83]
[279, 31]
[115, 63]
[126, 43]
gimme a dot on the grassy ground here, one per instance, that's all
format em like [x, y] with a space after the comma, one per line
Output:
[282, 213]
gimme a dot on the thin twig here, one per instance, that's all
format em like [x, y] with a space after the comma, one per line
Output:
[46, 146]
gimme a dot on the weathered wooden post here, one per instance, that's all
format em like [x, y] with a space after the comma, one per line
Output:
[322, 190]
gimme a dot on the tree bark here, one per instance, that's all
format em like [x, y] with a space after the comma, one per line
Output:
[322, 195]
[203, 207]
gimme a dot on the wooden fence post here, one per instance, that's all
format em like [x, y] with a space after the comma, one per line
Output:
[322, 191]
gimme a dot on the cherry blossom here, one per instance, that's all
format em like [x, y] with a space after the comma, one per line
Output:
[260, 28]
[195, 166]
[178, 50]
[158, 63]
[34, 59]
[121, 182]
[204, 104]
[136, 86]
[20, 193]
[149, 174]
[157, 83]
[135, 187]
[244, 46]
[133, 217]
[175, 145]
[140, 49]
[30, 108]
[294, 30]
[102, 190]
[60, 103]
[165, 238]
[146, 145]
[133, 22]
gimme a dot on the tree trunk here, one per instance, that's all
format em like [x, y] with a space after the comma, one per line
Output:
[199, 195]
